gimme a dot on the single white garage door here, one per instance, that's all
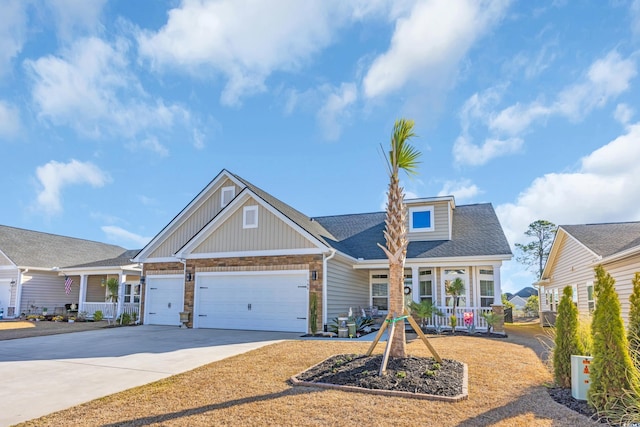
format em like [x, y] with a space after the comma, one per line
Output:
[164, 300]
[259, 301]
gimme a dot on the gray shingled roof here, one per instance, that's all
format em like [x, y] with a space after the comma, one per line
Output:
[123, 259]
[44, 250]
[606, 239]
[476, 232]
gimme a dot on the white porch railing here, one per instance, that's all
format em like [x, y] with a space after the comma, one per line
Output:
[108, 309]
[444, 321]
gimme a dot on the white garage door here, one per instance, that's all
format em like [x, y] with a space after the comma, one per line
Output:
[164, 300]
[259, 301]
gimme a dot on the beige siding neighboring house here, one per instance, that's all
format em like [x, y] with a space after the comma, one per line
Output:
[577, 250]
[38, 264]
[237, 257]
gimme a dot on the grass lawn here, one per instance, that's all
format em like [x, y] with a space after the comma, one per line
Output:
[506, 388]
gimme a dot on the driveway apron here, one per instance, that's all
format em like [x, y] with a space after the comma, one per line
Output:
[42, 375]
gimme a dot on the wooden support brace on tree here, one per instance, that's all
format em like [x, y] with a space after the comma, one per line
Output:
[422, 336]
[385, 356]
[379, 335]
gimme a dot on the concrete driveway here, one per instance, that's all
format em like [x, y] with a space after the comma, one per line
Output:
[42, 375]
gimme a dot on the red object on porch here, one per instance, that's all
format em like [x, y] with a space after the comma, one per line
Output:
[468, 318]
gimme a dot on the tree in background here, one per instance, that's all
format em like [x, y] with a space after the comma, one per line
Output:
[566, 341]
[535, 253]
[633, 330]
[532, 305]
[612, 364]
[454, 288]
[506, 303]
[402, 156]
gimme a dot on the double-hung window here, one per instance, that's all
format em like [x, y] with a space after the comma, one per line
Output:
[487, 290]
[380, 291]
[426, 286]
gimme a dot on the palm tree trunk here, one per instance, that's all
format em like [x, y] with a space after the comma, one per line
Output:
[397, 246]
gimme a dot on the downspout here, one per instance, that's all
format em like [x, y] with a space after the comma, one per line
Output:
[324, 284]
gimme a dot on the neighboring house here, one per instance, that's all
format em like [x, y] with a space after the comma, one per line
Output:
[238, 258]
[518, 303]
[34, 267]
[577, 249]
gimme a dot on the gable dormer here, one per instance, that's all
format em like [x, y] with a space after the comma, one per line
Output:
[429, 218]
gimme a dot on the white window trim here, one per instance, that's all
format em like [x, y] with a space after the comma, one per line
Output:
[230, 189]
[412, 210]
[245, 211]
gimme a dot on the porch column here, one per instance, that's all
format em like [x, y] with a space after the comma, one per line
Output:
[120, 295]
[83, 292]
[497, 286]
[415, 283]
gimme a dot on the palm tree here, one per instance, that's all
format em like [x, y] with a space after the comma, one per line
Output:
[424, 310]
[454, 288]
[402, 156]
[112, 288]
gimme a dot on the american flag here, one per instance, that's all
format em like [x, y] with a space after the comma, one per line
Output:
[67, 285]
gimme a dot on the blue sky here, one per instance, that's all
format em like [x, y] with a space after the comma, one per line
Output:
[114, 115]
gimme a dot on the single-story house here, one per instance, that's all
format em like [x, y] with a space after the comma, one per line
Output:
[576, 250]
[236, 257]
[47, 273]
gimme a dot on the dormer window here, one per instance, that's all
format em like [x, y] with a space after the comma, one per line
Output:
[250, 217]
[227, 194]
[421, 219]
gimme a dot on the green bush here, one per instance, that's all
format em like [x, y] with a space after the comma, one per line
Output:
[566, 340]
[633, 331]
[613, 376]
[98, 316]
[124, 319]
[314, 313]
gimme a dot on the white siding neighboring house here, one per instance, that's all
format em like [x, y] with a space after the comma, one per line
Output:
[577, 249]
[34, 267]
[235, 248]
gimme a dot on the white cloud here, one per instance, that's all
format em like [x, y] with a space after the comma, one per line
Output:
[91, 89]
[428, 44]
[55, 176]
[606, 79]
[605, 188]
[245, 41]
[461, 190]
[13, 29]
[152, 144]
[118, 234]
[336, 109]
[76, 16]
[623, 113]
[466, 152]
[9, 120]
[635, 16]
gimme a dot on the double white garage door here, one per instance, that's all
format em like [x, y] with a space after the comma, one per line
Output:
[261, 300]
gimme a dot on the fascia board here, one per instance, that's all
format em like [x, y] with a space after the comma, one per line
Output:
[436, 262]
[619, 255]
[8, 259]
[197, 200]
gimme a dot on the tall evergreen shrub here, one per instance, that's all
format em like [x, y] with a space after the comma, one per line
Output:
[566, 341]
[611, 367]
[633, 331]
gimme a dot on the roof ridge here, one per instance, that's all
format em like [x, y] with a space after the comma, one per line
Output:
[62, 236]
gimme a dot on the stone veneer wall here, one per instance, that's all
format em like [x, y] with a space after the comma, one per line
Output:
[289, 262]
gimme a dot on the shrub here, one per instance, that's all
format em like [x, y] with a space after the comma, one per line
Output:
[314, 313]
[423, 310]
[124, 319]
[611, 383]
[566, 341]
[633, 331]
[98, 316]
[491, 318]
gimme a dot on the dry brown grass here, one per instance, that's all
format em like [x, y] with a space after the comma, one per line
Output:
[16, 324]
[505, 389]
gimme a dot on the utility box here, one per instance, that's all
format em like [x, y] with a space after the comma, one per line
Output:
[580, 376]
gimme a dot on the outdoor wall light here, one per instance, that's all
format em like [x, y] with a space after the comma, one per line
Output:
[12, 283]
[188, 276]
[142, 280]
[314, 275]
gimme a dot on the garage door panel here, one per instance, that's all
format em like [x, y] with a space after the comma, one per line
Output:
[164, 300]
[264, 301]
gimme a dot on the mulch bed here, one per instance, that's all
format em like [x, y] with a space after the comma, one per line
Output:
[563, 397]
[422, 375]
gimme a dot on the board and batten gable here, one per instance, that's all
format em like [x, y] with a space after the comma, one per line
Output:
[272, 233]
[572, 266]
[210, 206]
[346, 287]
[442, 219]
